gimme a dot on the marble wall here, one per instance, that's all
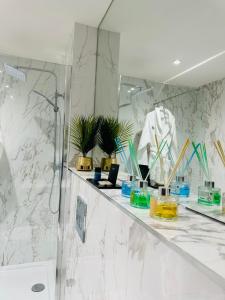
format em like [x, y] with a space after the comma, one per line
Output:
[198, 114]
[83, 70]
[28, 229]
[83, 74]
[107, 74]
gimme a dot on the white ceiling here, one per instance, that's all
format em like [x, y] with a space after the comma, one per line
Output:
[156, 32]
[42, 29]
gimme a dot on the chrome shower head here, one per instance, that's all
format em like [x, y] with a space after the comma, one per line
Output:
[15, 72]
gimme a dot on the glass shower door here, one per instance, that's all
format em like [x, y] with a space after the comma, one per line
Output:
[31, 143]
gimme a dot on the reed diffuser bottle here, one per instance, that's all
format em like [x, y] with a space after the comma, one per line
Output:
[223, 204]
[140, 196]
[208, 194]
[128, 185]
[165, 207]
[180, 187]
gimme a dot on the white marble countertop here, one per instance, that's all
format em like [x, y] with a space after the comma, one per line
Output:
[199, 239]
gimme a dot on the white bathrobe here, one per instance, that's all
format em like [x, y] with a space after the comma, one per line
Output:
[160, 123]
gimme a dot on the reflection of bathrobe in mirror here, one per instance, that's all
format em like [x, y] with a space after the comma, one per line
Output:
[160, 123]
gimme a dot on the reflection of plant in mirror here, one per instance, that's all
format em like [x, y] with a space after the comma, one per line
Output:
[83, 133]
[110, 129]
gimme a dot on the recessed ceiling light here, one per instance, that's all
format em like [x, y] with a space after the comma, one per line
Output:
[129, 91]
[195, 67]
[132, 89]
[176, 62]
[6, 86]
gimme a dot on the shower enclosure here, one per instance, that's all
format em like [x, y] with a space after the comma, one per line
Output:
[31, 151]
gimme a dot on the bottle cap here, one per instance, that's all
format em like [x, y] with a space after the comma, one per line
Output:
[131, 177]
[98, 169]
[209, 184]
[163, 191]
[143, 183]
[180, 178]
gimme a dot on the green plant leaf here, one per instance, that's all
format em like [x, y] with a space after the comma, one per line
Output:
[110, 129]
[83, 133]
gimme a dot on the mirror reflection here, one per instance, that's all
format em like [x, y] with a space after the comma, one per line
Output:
[171, 87]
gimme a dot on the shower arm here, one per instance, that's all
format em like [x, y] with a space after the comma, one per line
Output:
[55, 106]
[39, 70]
[57, 94]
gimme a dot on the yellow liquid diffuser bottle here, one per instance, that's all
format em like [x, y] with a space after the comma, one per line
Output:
[154, 197]
[165, 206]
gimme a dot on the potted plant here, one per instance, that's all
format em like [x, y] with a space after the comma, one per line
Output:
[83, 137]
[110, 129]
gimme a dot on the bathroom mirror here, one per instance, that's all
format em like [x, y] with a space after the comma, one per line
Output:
[211, 212]
[164, 66]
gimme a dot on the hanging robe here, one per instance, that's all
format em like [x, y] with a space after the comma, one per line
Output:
[159, 123]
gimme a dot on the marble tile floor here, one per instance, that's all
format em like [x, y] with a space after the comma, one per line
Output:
[16, 281]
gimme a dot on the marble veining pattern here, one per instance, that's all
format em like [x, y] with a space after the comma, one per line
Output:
[107, 78]
[27, 228]
[130, 256]
[83, 74]
[83, 70]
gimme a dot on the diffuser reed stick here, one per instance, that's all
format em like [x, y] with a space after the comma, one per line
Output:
[181, 155]
[205, 159]
[123, 156]
[122, 153]
[189, 160]
[156, 158]
[170, 154]
[160, 157]
[220, 151]
[133, 157]
[202, 166]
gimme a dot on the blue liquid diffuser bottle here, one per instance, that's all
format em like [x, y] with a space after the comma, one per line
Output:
[127, 185]
[180, 187]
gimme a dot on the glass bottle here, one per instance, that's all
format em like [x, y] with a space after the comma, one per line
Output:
[97, 174]
[153, 206]
[223, 204]
[208, 194]
[180, 187]
[127, 185]
[166, 205]
[140, 195]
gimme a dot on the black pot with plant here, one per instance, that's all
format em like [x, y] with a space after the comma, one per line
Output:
[83, 137]
[110, 129]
